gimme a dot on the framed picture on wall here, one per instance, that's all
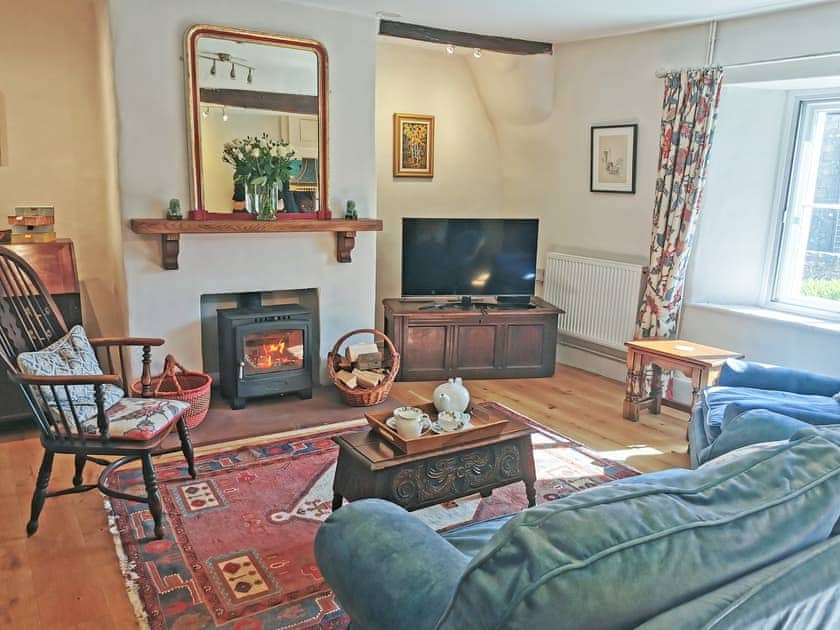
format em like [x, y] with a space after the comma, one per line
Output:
[414, 145]
[612, 158]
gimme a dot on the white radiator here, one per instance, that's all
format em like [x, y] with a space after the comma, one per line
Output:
[600, 297]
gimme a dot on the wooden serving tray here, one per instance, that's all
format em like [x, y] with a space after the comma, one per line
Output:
[485, 423]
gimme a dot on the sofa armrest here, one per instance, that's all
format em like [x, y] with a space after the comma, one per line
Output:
[388, 569]
[735, 373]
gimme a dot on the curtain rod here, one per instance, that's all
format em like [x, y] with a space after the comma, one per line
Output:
[764, 62]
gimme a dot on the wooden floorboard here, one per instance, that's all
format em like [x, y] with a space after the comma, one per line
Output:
[67, 575]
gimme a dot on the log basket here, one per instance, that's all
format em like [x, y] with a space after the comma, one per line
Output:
[360, 396]
[186, 386]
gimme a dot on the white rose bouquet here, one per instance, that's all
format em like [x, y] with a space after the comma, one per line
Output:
[259, 160]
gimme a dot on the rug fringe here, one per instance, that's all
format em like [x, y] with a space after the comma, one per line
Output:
[127, 567]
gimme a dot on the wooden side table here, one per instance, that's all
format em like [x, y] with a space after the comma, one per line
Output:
[696, 361]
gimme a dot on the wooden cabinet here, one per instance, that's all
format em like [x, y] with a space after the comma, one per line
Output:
[478, 342]
[55, 263]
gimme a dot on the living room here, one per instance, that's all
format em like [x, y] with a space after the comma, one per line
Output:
[544, 140]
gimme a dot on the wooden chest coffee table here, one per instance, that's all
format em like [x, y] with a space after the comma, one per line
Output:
[370, 467]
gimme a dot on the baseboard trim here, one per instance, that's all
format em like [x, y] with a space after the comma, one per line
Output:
[589, 346]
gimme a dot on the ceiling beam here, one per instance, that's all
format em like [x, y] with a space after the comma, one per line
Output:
[251, 99]
[463, 40]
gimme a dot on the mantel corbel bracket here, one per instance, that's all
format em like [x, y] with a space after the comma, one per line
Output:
[171, 245]
[345, 242]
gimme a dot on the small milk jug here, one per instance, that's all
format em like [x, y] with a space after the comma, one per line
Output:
[451, 396]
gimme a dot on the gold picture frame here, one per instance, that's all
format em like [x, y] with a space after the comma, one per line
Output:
[414, 145]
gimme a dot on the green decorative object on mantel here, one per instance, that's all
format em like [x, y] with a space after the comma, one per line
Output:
[173, 212]
[350, 213]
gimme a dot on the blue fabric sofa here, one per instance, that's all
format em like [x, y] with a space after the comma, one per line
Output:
[723, 546]
[744, 386]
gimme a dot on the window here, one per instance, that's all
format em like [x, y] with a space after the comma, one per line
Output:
[808, 272]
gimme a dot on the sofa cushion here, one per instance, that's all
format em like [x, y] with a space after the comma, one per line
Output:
[809, 408]
[71, 355]
[620, 553]
[799, 592]
[471, 538]
[751, 427]
[737, 373]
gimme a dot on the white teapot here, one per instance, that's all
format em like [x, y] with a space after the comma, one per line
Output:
[451, 396]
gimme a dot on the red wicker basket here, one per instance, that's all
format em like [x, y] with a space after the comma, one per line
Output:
[361, 397]
[189, 387]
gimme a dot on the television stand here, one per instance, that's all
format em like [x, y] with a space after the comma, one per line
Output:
[482, 340]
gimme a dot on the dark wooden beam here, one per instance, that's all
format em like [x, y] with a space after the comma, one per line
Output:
[463, 40]
[251, 99]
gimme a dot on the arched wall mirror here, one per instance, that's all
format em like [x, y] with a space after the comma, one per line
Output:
[257, 109]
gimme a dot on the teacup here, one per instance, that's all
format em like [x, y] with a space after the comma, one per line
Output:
[410, 421]
[451, 420]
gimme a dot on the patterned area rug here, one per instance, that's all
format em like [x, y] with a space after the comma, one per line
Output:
[238, 548]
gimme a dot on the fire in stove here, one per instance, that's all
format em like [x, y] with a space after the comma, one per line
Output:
[274, 352]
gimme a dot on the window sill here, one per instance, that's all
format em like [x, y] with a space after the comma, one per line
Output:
[773, 315]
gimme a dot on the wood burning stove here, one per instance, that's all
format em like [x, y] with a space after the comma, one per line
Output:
[265, 351]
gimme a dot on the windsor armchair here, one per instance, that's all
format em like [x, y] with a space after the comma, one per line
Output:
[72, 419]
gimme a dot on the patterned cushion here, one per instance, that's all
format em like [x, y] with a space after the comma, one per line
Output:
[139, 418]
[72, 355]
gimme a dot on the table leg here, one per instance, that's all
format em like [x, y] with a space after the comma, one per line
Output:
[699, 382]
[529, 469]
[632, 389]
[655, 388]
[337, 501]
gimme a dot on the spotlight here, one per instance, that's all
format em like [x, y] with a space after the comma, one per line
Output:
[213, 68]
[477, 53]
[232, 70]
[205, 112]
[450, 49]
[250, 75]
[224, 115]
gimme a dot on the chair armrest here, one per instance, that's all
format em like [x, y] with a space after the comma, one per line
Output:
[126, 341]
[67, 379]
[389, 570]
[736, 373]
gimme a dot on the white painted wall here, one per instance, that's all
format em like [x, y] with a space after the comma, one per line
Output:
[468, 165]
[57, 140]
[147, 47]
[612, 80]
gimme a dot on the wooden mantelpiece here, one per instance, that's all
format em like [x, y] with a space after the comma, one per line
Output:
[170, 232]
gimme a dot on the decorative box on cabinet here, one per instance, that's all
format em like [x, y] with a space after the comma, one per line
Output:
[472, 342]
[56, 265]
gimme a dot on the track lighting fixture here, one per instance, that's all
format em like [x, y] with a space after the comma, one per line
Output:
[477, 53]
[232, 70]
[205, 112]
[224, 115]
[450, 49]
[250, 75]
[213, 68]
[221, 57]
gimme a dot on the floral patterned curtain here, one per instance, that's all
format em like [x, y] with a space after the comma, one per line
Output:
[689, 111]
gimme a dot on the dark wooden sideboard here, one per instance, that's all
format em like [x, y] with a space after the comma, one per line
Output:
[56, 265]
[474, 342]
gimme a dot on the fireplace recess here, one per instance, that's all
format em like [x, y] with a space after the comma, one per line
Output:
[265, 351]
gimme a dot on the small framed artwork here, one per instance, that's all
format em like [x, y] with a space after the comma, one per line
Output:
[612, 158]
[414, 145]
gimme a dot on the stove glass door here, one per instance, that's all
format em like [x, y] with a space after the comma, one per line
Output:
[272, 351]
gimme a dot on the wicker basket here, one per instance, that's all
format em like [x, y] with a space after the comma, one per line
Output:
[189, 387]
[363, 397]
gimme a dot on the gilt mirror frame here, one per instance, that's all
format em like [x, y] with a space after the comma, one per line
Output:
[194, 110]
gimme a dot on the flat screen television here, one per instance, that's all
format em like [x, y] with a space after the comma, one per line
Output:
[469, 256]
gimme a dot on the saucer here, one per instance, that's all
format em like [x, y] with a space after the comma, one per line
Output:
[463, 424]
[392, 424]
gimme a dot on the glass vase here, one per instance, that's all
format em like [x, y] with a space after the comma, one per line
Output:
[262, 199]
